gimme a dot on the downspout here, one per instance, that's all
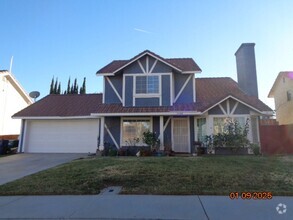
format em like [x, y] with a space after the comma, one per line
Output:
[20, 144]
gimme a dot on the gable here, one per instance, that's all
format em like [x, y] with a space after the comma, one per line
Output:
[183, 65]
[146, 65]
[230, 106]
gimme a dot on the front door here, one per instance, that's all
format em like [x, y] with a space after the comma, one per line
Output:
[181, 142]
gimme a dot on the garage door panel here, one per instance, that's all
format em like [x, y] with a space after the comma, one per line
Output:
[62, 136]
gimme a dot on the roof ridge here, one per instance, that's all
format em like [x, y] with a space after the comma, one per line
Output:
[179, 58]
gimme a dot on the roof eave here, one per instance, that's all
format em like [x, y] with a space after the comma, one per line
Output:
[105, 74]
[52, 117]
[18, 87]
[173, 113]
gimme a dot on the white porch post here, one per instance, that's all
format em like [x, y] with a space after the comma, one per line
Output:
[161, 137]
[101, 147]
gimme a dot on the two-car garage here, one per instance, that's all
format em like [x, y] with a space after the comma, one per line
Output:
[60, 135]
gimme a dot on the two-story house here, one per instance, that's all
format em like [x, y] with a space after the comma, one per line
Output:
[13, 98]
[282, 92]
[146, 92]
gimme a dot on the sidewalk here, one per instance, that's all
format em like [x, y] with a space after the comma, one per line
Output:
[141, 207]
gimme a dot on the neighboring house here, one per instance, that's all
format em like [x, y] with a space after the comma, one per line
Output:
[147, 92]
[13, 98]
[282, 92]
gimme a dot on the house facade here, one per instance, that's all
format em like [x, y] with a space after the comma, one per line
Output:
[13, 98]
[282, 92]
[147, 92]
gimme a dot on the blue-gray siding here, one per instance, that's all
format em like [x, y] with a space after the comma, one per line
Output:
[156, 125]
[110, 95]
[133, 68]
[166, 96]
[113, 124]
[147, 102]
[128, 91]
[191, 127]
[187, 94]
[242, 109]
[167, 133]
[162, 68]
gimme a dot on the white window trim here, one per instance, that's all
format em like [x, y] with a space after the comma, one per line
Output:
[245, 116]
[104, 91]
[196, 128]
[150, 95]
[194, 89]
[133, 118]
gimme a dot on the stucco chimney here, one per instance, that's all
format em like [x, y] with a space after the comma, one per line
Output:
[246, 69]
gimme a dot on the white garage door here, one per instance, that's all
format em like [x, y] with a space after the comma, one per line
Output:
[61, 136]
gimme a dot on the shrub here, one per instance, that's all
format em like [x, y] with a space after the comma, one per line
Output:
[150, 139]
[255, 148]
[234, 136]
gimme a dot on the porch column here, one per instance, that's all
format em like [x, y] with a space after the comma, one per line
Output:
[101, 147]
[161, 137]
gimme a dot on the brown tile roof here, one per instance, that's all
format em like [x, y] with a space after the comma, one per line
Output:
[183, 64]
[209, 92]
[62, 106]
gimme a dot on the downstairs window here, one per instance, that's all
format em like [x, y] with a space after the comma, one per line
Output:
[132, 131]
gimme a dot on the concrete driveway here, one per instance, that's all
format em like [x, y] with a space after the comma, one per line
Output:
[17, 166]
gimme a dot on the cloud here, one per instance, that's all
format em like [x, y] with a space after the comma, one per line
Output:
[143, 31]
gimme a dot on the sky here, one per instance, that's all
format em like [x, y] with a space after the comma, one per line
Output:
[75, 38]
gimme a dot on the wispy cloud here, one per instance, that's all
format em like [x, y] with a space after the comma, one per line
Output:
[142, 30]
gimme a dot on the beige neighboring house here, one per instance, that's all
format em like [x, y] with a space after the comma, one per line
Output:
[13, 98]
[282, 92]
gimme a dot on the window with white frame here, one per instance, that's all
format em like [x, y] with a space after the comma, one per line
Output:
[147, 84]
[221, 122]
[201, 129]
[132, 131]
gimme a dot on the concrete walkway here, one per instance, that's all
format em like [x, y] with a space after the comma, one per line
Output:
[142, 207]
[19, 165]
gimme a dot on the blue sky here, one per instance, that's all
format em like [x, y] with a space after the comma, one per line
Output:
[78, 37]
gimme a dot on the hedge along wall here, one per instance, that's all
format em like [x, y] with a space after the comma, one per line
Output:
[276, 139]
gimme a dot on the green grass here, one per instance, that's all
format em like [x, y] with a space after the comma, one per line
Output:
[214, 175]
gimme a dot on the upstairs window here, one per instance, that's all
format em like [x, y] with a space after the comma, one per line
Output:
[147, 84]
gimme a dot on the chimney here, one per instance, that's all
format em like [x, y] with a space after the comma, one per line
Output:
[246, 69]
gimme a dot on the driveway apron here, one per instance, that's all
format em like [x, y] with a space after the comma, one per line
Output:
[17, 166]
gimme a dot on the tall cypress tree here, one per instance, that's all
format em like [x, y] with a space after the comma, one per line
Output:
[59, 89]
[68, 87]
[75, 87]
[52, 86]
[83, 88]
[55, 86]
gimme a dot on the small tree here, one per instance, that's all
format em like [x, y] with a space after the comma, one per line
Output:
[150, 139]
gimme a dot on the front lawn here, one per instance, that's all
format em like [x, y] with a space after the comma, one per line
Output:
[214, 175]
